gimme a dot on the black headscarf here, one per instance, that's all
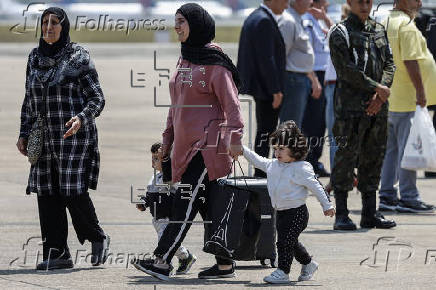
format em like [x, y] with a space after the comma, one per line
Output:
[202, 32]
[51, 49]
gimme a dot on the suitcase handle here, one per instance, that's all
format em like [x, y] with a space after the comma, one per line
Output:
[234, 173]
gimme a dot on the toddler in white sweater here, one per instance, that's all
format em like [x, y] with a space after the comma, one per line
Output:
[289, 181]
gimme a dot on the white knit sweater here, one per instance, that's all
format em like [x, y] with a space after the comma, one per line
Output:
[289, 183]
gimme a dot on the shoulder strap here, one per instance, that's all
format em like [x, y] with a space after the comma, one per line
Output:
[342, 29]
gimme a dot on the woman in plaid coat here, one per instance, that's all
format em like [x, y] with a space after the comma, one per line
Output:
[62, 88]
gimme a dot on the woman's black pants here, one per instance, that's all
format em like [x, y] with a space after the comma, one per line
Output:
[54, 223]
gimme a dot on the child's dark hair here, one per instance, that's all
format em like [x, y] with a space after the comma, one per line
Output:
[289, 135]
[155, 147]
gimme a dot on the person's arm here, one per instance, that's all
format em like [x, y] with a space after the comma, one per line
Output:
[223, 86]
[257, 161]
[93, 96]
[168, 134]
[264, 47]
[306, 177]
[321, 15]
[381, 96]
[316, 85]
[26, 117]
[411, 52]
[94, 102]
[345, 66]
[389, 67]
[414, 72]
[287, 29]
[26, 114]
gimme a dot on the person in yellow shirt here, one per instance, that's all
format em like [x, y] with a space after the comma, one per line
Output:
[414, 84]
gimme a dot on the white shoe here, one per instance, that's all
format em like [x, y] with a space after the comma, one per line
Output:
[277, 277]
[308, 270]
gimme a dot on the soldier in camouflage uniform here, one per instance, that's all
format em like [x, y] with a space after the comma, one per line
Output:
[363, 61]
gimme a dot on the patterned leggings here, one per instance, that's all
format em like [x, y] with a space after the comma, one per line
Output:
[290, 224]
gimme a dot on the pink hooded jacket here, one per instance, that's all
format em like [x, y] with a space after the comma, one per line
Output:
[211, 124]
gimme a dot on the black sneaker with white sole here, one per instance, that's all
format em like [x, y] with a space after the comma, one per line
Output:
[55, 264]
[186, 264]
[100, 251]
[214, 272]
[414, 207]
[149, 268]
[387, 205]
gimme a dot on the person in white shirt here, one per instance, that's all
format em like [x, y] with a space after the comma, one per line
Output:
[289, 181]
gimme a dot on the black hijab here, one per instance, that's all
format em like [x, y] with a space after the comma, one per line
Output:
[202, 32]
[52, 49]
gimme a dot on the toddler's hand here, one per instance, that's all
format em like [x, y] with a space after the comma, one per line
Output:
[140, 206]
[330, 212]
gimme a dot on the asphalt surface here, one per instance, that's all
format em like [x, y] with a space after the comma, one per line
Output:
[400, 258]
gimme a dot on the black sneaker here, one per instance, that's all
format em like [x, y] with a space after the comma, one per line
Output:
[213, 272]
[414, 207]
[100, 251]
[387, 205]
[186, 264]
[54, 264]
[149, 268]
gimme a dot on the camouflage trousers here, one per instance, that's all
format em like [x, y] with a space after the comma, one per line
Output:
[363, 147]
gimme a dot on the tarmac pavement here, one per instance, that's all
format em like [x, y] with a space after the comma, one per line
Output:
[400, 258]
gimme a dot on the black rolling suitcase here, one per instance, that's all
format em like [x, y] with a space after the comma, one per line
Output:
[265, 243]
[252, 234]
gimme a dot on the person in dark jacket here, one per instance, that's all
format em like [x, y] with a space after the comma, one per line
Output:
[62, 90]
[159, 199]
[261, 65]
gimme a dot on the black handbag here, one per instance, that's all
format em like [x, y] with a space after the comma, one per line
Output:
[35, 141]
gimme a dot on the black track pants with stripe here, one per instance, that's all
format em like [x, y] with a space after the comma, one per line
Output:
[189, 199]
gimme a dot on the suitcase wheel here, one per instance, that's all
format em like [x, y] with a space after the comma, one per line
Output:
[273, 263]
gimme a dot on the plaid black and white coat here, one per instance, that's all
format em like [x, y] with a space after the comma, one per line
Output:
[72, 89]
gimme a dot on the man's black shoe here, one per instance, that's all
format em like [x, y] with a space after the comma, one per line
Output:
[414, 207]
[214, 272]
[378, 221]
[344, 223]
[149, 268]
[53, 264]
